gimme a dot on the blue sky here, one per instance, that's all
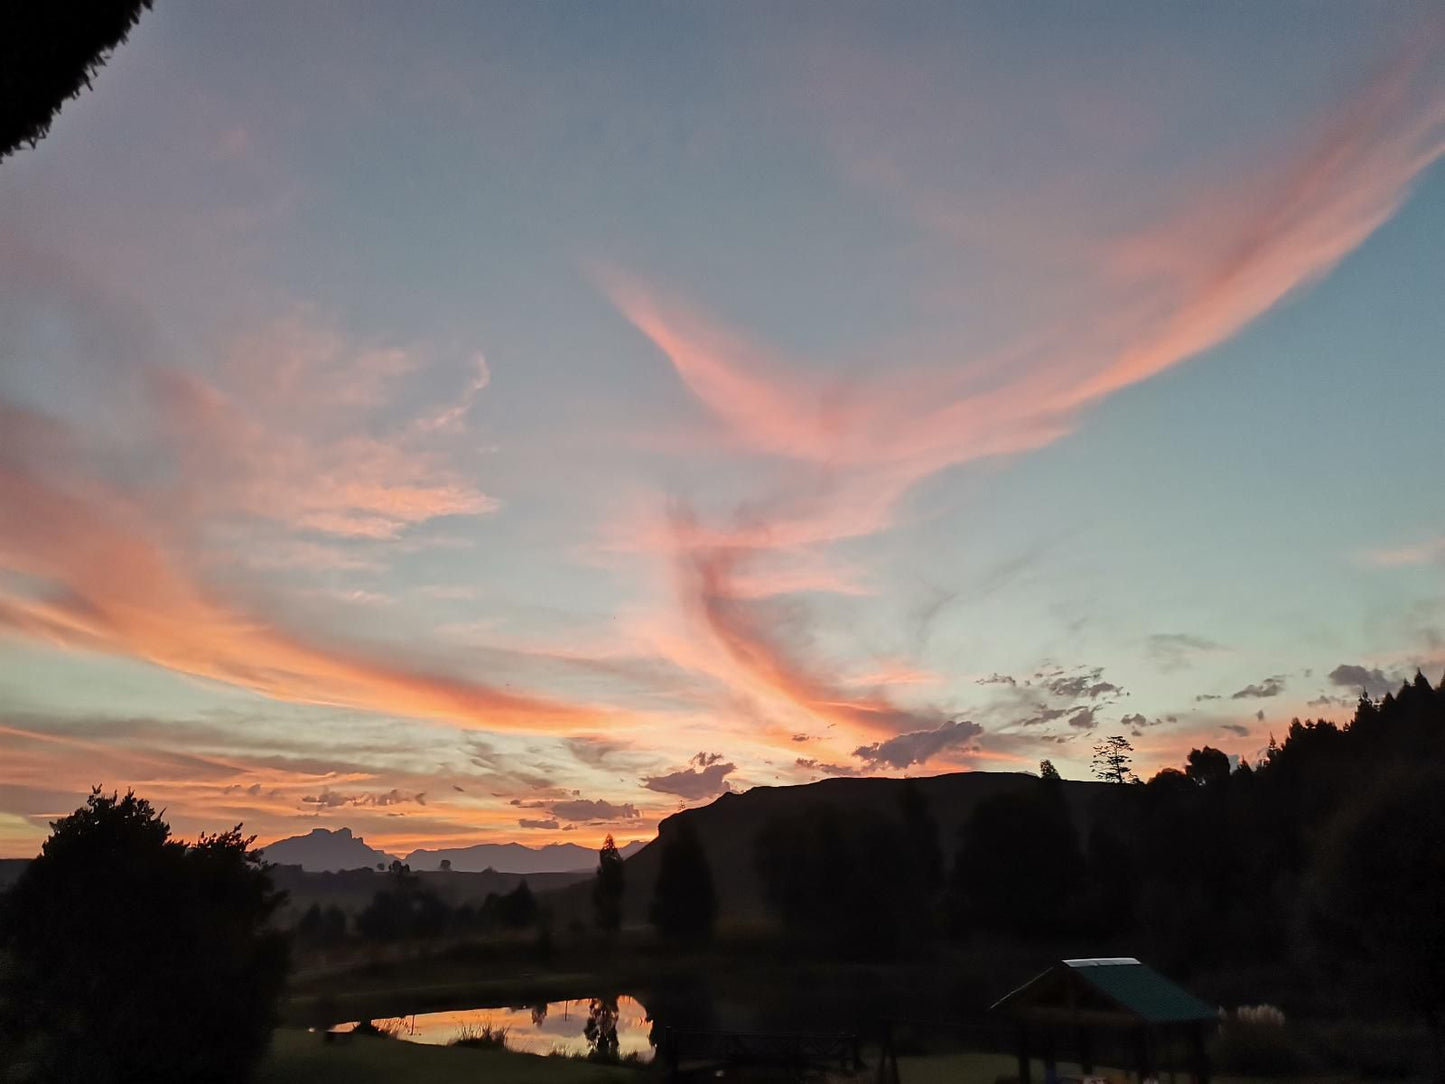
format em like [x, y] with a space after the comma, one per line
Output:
[520, 421]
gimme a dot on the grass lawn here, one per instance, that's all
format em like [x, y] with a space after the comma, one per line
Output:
[300, 1057]
[987, 1068]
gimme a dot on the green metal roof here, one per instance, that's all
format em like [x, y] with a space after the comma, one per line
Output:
[1122, 980]
[1142, 990]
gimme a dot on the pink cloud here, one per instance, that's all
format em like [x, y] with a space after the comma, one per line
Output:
[1164, 294]
[106, 578]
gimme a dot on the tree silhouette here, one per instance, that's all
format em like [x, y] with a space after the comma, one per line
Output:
[684, 902]
[1018, 864]
[1376, 892]
[607, 888]
[405, 908]
[129, 955]
[1113, 758]
[600, 1031]
[518, 908]
[1207, 765]
[47, 53]
[843, 878]
[1048, 771]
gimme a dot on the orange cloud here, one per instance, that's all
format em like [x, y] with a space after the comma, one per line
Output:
[751, 638]
[95, 573]
[282, 444]
[1420, 553]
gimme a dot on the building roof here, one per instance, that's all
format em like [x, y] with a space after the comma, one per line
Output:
[1109, 990]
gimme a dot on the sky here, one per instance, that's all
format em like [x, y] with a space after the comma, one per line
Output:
[518, 421]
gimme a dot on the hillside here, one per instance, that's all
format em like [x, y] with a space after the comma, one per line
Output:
[728, 826]
[352, 890]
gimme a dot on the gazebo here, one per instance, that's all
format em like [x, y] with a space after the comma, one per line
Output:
[1117, 1004]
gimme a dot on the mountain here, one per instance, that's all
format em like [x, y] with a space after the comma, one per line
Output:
[322, 850]
[728, 826]
[516, 857]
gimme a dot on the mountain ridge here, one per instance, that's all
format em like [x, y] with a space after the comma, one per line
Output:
[326, 850]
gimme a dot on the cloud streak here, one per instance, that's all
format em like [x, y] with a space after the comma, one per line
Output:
[103, 577]
[1168, 292]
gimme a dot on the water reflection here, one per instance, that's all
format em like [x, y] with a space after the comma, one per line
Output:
[618, 1026]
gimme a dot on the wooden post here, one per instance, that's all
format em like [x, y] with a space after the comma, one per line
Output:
[1201, 1056]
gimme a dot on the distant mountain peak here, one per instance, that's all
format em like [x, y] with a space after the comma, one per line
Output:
[323, 850]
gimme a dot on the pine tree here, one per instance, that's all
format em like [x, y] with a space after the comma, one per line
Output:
[607, 888]
[1113, 759]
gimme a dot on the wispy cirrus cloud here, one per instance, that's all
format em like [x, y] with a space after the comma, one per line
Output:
[1430, 551]
[99, 573]
[1167, 291]
[752, 636]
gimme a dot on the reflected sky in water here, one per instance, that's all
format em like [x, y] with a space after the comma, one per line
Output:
[553, 1028]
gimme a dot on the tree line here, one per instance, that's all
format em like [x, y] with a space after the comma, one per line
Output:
[1322, 861]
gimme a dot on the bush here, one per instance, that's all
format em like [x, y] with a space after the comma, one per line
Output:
[130, 955]
[385, 1029]
[484, 1037]
[1257, 1040]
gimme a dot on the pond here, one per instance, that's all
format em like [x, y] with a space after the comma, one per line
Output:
[554, 1027]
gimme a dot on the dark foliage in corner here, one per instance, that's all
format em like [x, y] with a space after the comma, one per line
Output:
[48, 52]
[127, 955]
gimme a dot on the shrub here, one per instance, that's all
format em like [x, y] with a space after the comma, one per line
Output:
[1257, 1040]
[483, 1036]
[130, 955]
[384, 1029]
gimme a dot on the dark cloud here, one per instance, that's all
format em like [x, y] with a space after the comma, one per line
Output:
[1327, 701]
[1236, 728]
[504, 769]
[550, 823]
[706, 760]
[1044, 715]
[1370, 682]
[593, 809]
[1259, 716]
[1083, 719]
[997, 679]
[330, 799]
[594, 751]
[1086, 685]
[1139, 721]
[693, 783]
[1177, 650]
[919, 745]
[827, 769]
[1270, 686]
[1207, 696]
[802, 737]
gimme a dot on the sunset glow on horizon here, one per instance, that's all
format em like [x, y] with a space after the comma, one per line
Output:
[510, 422]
